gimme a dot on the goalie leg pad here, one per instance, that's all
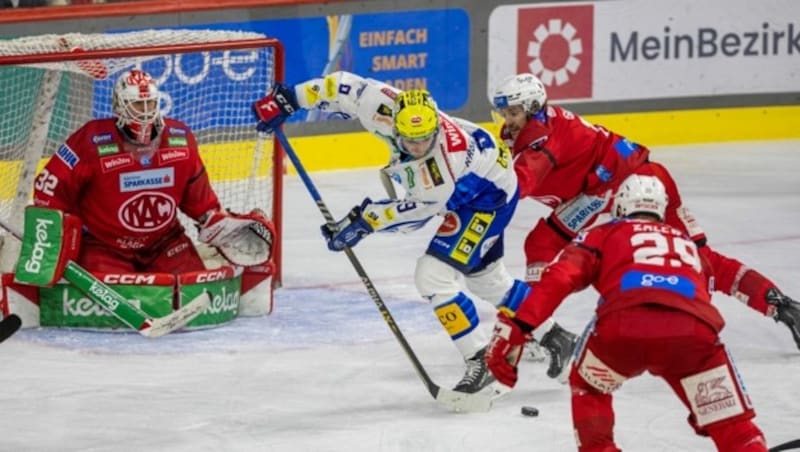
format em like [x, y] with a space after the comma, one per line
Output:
[51, 239]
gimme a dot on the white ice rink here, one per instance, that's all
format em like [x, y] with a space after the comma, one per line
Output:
[324, 373]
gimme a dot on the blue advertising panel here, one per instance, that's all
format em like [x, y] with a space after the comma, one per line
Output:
[411, 49]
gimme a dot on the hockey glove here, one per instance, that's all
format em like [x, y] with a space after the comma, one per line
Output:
[244, 240]
[349, 230]
[275, 108]
[787, 312]
[505, 349]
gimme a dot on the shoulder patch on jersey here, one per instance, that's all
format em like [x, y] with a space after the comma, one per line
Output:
[107, 149]
[344, 89]
[115, 162]
[176, 131]
[454, 136]
[433, 170]
[101, 138]
[177, 141]
[172, 154]
[66, 155]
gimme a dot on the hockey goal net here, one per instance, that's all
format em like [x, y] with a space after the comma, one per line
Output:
[51, 84]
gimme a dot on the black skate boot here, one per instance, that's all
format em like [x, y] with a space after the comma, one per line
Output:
[787, 312]
[559, 344]
[477, 375]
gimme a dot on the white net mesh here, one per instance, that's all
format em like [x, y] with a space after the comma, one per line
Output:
[43, 100]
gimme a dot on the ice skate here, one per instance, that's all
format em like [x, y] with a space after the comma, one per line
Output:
[477, 375]
[559, 344]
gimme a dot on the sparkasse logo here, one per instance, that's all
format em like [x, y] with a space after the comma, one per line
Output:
[556, 44]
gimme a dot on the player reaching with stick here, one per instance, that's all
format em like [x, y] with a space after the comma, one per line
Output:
[655, 315]
[448, 168]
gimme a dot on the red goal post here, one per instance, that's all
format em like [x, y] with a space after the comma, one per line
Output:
[51, 84]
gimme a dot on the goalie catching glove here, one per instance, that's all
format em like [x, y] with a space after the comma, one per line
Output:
[244, 239]
[348, 231]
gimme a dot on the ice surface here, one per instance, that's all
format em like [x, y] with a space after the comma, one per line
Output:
[324, 373]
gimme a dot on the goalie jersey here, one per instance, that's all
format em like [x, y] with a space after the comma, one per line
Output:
[126, 200]
[467, 168]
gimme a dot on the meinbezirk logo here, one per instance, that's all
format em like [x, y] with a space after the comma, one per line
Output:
[556, 44]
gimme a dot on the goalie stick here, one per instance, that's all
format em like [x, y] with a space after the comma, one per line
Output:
[129, 314]
[454, 400]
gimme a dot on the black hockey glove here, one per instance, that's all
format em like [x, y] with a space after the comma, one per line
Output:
[787, 312]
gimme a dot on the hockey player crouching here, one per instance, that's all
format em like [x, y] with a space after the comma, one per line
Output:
[447, 167]
[126, 177]
[656, 316]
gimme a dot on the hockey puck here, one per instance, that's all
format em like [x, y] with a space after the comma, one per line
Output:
[529, 411]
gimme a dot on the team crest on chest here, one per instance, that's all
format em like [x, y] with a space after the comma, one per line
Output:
[147, 211]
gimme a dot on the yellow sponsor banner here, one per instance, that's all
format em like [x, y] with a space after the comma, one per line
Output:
[662, 128]
[233, 161]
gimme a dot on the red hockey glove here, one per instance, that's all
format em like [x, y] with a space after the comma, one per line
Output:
[275, 108]
[505, 349]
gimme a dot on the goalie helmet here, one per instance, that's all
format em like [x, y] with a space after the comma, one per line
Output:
[135, 103]
[640, 194]
[521, 89]
[416, 122]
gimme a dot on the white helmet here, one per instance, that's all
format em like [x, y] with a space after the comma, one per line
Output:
[521, 89]
[640, 194]
[132, 103]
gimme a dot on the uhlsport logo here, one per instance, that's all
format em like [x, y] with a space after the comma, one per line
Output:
[556, 44]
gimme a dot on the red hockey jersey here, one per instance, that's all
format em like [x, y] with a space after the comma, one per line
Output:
[559, 155]
[129, 203]
[629, 262]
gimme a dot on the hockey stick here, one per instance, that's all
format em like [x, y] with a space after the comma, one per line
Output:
[454, 400]
[9, 325]
[129, 314]
[794, 444]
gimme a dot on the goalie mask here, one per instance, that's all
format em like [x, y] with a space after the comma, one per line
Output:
[416, 122]
[135, 103]
[640, 194]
